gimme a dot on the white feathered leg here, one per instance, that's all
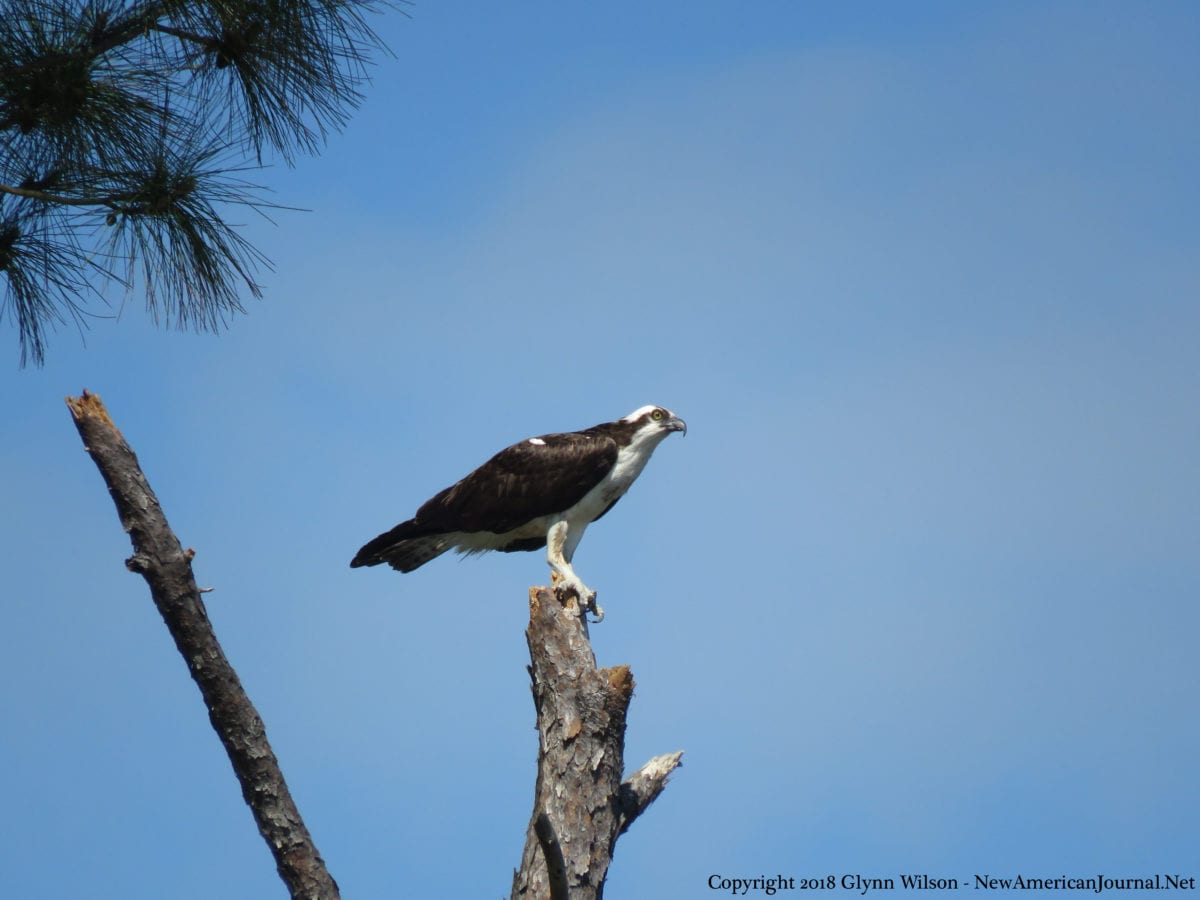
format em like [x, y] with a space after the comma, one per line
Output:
[561, 541]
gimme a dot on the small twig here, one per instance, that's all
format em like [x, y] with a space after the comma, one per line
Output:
[202, 39]
[61, 199]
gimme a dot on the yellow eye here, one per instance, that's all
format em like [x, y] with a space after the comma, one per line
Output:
[656, 415]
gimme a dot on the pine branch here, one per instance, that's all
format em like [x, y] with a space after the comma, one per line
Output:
[47, 274]
[60, 199]
[132, 115]
[106, 34]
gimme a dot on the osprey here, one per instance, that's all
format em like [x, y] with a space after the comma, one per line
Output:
[541, 492]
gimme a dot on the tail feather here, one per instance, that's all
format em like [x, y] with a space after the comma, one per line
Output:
[405, 548]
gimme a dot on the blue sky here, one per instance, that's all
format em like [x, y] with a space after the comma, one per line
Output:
[916, 593]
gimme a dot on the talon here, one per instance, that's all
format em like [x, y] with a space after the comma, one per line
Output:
[564, 591]
[593, 607]
[565, 587]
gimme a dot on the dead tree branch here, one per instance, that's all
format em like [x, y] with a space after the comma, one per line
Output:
[161, 560]
[581, 805]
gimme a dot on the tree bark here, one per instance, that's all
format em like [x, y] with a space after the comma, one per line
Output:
[581, 805]
[161, 560]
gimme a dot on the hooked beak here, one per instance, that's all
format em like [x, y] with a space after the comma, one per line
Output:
[677, 424]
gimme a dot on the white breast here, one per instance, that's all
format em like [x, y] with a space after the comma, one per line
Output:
[630, 462]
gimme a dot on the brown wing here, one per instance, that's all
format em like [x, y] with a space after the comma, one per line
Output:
[521, 483]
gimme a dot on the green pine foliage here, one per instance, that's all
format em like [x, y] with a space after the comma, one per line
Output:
[125, 130]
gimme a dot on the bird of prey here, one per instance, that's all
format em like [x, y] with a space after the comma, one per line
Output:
[541, 492]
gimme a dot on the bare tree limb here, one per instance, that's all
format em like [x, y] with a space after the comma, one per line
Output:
[581, 805]
[161, 560]
[642, 788]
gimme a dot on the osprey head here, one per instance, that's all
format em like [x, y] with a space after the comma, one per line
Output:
[657, 419]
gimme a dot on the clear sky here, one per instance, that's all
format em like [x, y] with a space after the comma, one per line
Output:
[917, 592]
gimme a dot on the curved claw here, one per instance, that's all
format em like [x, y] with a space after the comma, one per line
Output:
[589, 605]
[595, 609]
[585, 599]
